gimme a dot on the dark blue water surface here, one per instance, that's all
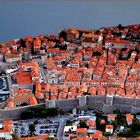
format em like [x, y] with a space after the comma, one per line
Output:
[20, 18]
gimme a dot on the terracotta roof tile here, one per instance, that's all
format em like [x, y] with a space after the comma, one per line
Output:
[109, 126]
[33, 100]
[10, 105]
[81, 130]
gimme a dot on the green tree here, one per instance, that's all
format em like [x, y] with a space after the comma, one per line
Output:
[106, 134]
[43, 114]
[14, 136]
[135, 126]
[127, 133]
[28, 114]
[114, 123]
[101, 127]
[52, 111]
[39, 113]
[99, 114]
[83, 124]
[31, 113]
[32, 128]
[68, 123]
[121, 119]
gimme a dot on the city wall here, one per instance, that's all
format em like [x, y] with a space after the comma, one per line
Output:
[106, 104]
[7, 114]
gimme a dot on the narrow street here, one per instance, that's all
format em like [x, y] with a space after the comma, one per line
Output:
[60, 129]
[62, 125]
[43, 74]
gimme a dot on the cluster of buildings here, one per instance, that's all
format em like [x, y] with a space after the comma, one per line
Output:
[21, 128]
[72, 64]
[83, 126]
[86, 127]
[77, 131]
[6, 129]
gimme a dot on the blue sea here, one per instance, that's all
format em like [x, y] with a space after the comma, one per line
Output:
[21, 18]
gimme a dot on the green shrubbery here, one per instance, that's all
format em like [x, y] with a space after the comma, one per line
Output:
[83, 124]
[129, 131]
[39, 113]
[132, 130]
[69, 123]
[107, 134]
